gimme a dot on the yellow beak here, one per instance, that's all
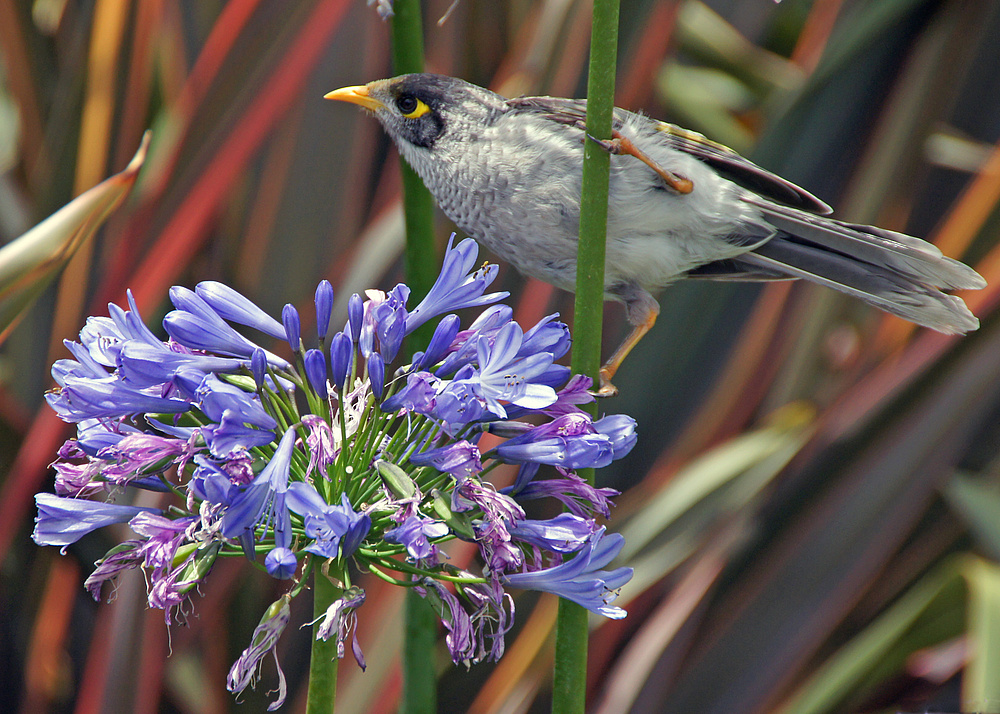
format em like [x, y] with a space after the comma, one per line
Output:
[355, 95]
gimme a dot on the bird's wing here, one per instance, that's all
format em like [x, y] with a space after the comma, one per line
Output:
[723, 159]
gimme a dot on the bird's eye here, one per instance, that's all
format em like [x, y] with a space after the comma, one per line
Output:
[411, 107]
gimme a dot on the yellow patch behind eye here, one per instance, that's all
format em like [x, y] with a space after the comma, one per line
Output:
[421, 109]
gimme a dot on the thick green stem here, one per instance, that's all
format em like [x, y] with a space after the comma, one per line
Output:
[570, 675]
[418, 206]
[419, 675]
[323, 659]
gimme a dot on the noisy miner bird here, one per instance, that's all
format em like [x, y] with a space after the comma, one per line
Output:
[508, 172]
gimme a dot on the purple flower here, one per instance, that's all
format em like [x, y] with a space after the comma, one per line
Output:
[414, 532]
[455, 288]
[322, 445]
[139, 454]
[388, 317]
[281, 563]
[504, 376]
[572, 491]
[79, 398]
[315, 364]
[460, 638]
[233, 306]
[464, 346]
[337, 530]
[263, 501]
[341, 356]
[376, 374]
[62, 521]
[144, 365]
[355, 316]
[123, 556]
[460, 459]
[441, 340]
[340, 620]
[566, 533]
[324, 306]
[581, 579]
[572, 441]
[293, 326]
[264, 639]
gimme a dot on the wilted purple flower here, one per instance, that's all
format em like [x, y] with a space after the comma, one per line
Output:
[340, 620]
[577, 495]
[123, 556]
[322, 445]
[265, 639]
[62, 521]
[581, 579]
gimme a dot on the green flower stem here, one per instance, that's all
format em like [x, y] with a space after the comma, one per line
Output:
[419, 675]
[323, 659]
[570, 675]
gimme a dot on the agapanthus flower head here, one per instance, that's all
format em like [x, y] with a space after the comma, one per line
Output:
[342, 452]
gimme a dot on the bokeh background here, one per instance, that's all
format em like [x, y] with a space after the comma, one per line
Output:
[813, 508]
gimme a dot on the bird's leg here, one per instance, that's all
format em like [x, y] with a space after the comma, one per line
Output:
[619, 144]
[642, 313]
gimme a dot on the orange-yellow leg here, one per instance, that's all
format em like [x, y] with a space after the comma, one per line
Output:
[639, 330]
[619, 144]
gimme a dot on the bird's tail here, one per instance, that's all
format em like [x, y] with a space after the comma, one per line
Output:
[897, 273]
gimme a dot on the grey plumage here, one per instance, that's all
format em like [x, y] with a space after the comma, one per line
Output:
[508, 172]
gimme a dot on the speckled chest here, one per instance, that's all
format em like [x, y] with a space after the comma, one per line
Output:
[513, 186]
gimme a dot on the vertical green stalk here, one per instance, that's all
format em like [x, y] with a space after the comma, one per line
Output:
[418, 206]
[419, 675]
[323, 658]
[570, 676]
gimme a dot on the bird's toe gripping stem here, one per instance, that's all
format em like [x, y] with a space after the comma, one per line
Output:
[619, 144]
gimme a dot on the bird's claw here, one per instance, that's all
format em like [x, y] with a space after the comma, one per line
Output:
[619, 144]
[607, 389]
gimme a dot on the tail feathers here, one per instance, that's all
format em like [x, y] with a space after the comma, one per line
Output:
[904, 282]
[911, 258]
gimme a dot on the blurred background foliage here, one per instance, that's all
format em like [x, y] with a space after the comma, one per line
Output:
[813, 508]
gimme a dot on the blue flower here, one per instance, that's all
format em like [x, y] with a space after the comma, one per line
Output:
[263, 501]
[460, 459]
[504, 376]
[455, 288]
[233, 306]
[281, 563]
[566, 533]
[78, 399]
[337, 530]
[581, 579]
[324, 306]
[414, 532]
[62, 521]
[315, 365]
[293, 326]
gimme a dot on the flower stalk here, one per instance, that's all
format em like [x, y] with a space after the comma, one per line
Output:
[570, 673]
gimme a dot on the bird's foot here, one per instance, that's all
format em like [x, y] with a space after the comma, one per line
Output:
[619, 144]
[607, 389]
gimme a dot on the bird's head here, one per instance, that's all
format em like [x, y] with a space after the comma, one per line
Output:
[422, 110]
